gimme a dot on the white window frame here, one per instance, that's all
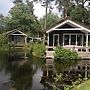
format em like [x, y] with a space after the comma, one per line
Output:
[54, 38]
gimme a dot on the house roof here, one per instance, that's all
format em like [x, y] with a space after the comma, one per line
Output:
[68, 20]
[15, 32]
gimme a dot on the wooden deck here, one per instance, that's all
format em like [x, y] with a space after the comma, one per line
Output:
[83, 52]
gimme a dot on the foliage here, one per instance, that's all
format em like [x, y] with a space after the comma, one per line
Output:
[58, 77]
[22, 18]
[51, 20]
[65, 54]
[80, 14]
[65, 58]
[39, 50]
[3, 43]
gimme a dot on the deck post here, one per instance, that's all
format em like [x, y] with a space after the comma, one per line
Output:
[63, 39]
[86, 41]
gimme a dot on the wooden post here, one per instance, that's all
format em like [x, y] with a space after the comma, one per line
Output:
[86, 41]
[76, 39]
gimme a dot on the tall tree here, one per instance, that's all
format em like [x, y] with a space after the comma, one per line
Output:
[22, 18]
[2, 23]
[80, 14]
[81, 2]
[51, 20]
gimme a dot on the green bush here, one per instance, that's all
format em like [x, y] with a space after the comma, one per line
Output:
[64, 58]
[4, 46]
[65, 54]
[38, 50]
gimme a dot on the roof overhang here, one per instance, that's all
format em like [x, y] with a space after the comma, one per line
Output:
[78, 27]
[12, 32]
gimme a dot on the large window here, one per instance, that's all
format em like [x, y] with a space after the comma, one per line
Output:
[79, 40]
[73, 39]
[66, 40]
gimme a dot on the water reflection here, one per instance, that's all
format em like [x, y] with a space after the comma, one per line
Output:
[30, 73]
[25, 72]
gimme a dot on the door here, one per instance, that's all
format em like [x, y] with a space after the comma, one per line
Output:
[55, 39]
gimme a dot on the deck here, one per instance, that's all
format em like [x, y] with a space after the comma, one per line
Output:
[83, 52]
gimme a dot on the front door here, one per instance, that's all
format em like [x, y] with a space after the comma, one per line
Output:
[55, 39]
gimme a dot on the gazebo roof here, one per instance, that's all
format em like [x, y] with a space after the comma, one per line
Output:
[15, 32]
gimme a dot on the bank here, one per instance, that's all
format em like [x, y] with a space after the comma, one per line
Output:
[83, 86]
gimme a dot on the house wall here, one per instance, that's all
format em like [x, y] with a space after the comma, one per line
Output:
[61, 35]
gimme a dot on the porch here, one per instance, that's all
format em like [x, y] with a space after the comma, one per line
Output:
[83, 52]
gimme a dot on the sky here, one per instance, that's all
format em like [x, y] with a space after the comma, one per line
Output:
[6, 5]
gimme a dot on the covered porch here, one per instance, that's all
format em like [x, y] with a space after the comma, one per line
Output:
[69, 35]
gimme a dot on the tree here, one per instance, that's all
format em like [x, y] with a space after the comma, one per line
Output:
[51, 20]
[2, 23]
[81, 2]
[80, 14]
[22, 18]
[64, 5]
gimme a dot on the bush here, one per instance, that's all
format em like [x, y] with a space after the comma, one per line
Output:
[3, 43]
[64, 58]
[38, 50]
[65, 54]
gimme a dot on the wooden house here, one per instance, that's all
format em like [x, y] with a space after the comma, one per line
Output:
[16, 37]
[71, 35]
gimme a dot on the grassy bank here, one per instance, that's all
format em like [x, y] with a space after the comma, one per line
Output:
[83, 86]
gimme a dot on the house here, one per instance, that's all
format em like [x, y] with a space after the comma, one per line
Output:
[69, 34]
[16, 37]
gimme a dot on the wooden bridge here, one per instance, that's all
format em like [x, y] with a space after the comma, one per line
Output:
[83, 52]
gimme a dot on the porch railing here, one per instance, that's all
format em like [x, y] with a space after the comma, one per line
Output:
[78, 48]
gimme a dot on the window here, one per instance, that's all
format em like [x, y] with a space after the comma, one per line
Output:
[66, 39]
[73, 39]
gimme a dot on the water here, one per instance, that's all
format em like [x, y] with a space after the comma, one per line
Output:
[21, 73]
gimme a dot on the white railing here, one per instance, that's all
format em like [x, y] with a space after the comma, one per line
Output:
[77, 48]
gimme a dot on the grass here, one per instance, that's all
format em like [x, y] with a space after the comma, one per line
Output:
[83, 86]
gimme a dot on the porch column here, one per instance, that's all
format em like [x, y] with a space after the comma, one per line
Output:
[25, 40]
[87, 41]
[76, 39]
[70, 39]
[82, 39]
[48, 39]
[63, 39]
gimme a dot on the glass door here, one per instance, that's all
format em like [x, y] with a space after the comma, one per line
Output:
[55, 39]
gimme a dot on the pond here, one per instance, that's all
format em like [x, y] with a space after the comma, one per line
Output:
[20, 72]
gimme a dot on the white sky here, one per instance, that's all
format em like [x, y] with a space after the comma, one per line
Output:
[6, 5]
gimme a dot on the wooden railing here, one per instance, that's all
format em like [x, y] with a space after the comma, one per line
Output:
[84, 52]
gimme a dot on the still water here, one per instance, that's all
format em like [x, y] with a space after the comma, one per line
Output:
[20, 72]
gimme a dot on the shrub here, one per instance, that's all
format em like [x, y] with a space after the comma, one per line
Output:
[3, 43]
[65, 54]
[64, 58]
[39, 50]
